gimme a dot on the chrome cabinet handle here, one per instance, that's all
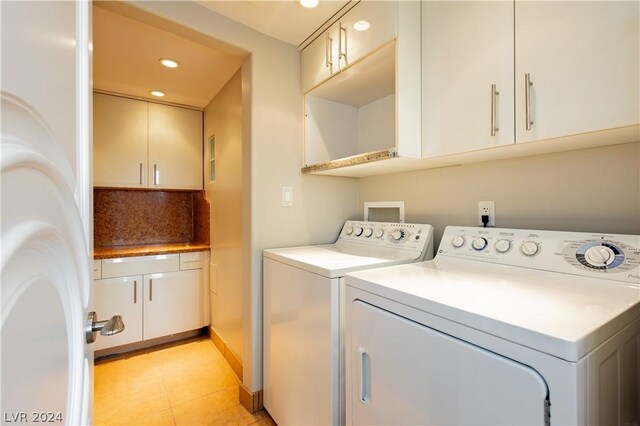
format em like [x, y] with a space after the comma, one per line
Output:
[327, 51]
[527, 101]
[342, 54]
[135, 292]
[92, 326]
[494, 93]
[150, 290]
[155, 174]
[140, 173]
[365, 380]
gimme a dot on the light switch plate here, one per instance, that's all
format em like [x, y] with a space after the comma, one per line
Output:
[287, 196]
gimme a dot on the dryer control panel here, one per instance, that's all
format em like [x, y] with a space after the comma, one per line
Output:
[587, 254]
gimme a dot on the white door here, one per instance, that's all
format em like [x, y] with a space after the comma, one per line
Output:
[402, 372]
[120, 296]
[45, 212]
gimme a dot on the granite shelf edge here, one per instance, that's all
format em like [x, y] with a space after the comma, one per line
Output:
[147, 250]
[368, 157]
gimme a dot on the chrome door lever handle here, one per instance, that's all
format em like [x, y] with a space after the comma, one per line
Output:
[112, 326]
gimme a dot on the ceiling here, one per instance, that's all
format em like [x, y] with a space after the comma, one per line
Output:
[285, 20]
[127, 48]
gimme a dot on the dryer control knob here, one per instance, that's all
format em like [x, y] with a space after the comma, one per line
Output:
[348, 231]
[530, 248]
[457, 241]
[379, 233]
[502, 246]
[359, 231]
[397, 235]
[599, 255]
[368, 232]
[479, 243]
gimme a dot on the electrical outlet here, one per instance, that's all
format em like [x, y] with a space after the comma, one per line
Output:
[487, 208]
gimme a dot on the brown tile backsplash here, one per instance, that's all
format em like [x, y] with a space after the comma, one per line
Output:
[135, 217]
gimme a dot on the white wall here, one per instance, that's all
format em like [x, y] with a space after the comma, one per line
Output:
[223, 118]
[272, 141]
[588, 190]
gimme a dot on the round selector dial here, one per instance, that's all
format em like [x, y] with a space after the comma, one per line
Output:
[600, 255]
[349, 231]
[368, 232]
[502, 246]
[479, 243]
[529, 248]
[359, 231]
[457, 241]
[397, 235]
[379, 233]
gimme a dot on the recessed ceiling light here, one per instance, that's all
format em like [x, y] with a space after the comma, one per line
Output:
[309, 3]
[169, 63]
[361, 26]
[157, 93]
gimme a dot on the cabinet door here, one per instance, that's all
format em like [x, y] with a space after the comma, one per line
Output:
[467, 48]
[172, 303]
[583, 62]
[175, 148]
[319, 60]
[119, 296]
[119, 142]
[355, 42]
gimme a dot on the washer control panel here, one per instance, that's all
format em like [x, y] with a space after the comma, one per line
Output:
[410, 236]
[586, 254]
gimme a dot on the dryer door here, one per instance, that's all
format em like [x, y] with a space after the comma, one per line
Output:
[402, 372]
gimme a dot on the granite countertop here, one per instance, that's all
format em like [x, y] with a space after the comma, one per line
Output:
[147, 250]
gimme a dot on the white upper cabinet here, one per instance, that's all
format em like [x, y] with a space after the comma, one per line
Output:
[467, 58]
[140, 144]
[348, 40]
[120, 142]
[175, 147]
[582, 59]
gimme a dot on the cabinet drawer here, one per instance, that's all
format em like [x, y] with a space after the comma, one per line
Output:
[97, 269]
[193, 260]
[124, 266]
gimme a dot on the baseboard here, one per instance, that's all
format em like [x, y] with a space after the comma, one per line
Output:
[252, 401]
[147, 344]
[234, 362]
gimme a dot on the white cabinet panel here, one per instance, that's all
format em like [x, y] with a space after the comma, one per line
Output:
[175, 147]
[119, 142]
[119, 296]
[353, 44]
[467, 47]
[405, 373]
[138, 265]
[583, 61]
[319, 60]
[172, 303]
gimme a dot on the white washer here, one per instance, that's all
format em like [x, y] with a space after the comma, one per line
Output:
[504, 326]
[304, 313]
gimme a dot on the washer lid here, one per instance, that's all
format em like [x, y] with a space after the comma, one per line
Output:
[335, 260]
[562, 315]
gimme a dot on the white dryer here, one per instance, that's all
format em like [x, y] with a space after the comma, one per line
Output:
[504, 326]
[304, 313]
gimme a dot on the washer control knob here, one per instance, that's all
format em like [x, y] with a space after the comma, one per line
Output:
[457, 241]
[368, 232]
[397, 235]
[530, 248]
[379, 233]
[599, 255]
[359, 231]
[479, 243]
[502, 246]
[348, 231]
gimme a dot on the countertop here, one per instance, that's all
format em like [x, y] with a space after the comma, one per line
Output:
[147, 250]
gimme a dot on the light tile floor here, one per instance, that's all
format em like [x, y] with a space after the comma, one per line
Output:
[186, 384]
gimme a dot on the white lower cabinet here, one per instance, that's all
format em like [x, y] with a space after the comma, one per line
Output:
[171, 303]
[168, 296]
